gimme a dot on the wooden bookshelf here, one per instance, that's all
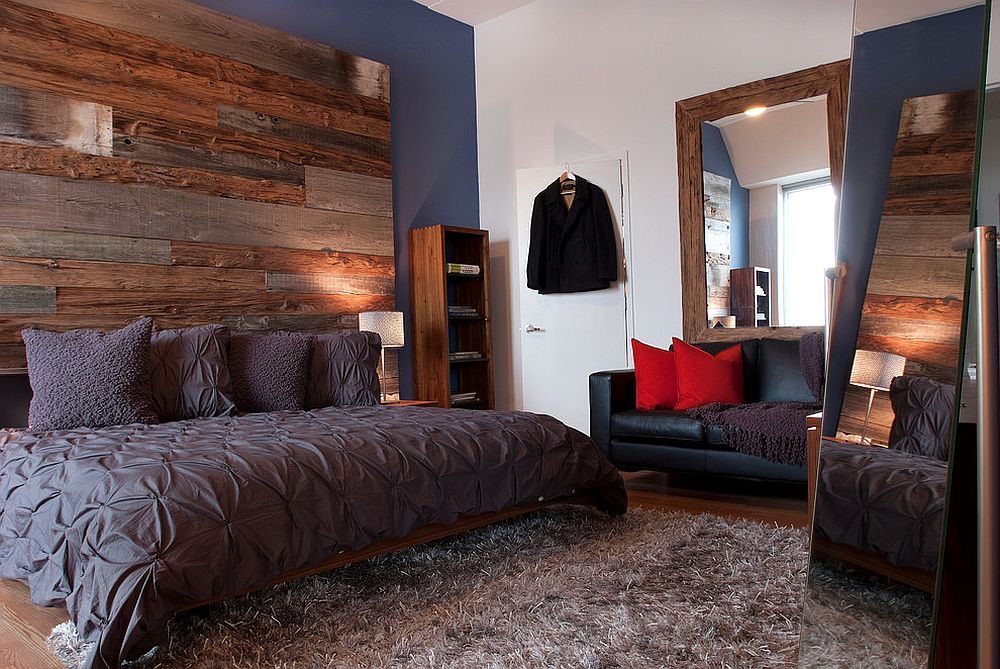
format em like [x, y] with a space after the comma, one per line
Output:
[438, 332]
[750, 296]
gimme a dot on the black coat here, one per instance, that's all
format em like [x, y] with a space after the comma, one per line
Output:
[576, 250]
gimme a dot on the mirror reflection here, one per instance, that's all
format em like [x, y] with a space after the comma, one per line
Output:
[880, 486]
[769, 215]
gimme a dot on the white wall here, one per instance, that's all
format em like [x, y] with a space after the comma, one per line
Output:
[765, 203]
[782, 145]
[570, 79]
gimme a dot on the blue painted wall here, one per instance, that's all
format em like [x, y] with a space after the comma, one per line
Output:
[715, 158]
[432, 66]
[941, 54]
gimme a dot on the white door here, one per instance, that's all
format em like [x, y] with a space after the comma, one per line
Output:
[565, 337]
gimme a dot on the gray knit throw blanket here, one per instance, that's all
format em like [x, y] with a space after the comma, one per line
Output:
[775, 431]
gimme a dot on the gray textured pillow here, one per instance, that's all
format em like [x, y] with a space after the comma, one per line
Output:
[343, 370]
[922, 421]
[189, 373]
[268, 371]
[85, 378]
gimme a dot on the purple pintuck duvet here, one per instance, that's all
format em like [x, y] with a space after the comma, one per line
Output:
[128, 525]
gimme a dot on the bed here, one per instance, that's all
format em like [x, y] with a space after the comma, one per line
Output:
[126, 526]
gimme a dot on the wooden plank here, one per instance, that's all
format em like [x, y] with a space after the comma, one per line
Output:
[79, 246]
[210, 307]
[24, 627]
[294, 323]
[27, 300]
[259, 122]
[344, 191]
[330, 283]
[16, 73]
[944, 310]
[48, 25]
[201, 29]
[12, 358]
[279, 259]
[856, 406]
[49, 203]
[950, 142]
[932, 165]
[263, 146]
[937, 114]
[926, 236]
[934, 331]
[62, 59]
[44, 119]
[935, 361]
[73, 165]
[118, 276]
[154, 152]
[942, 278]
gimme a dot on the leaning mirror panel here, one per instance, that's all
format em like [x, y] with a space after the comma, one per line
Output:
[893, 370]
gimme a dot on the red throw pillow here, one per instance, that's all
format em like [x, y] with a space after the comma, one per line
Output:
[703, 378]
[655, 377]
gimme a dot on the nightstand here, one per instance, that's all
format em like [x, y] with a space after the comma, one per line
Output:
[411, 403]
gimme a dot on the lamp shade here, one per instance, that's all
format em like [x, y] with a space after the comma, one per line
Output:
[876, 369]
[386, 324]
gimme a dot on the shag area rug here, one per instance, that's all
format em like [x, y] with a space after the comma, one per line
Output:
[854, 619]
[561, 588]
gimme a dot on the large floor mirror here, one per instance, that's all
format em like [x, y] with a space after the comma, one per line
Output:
[893, 400]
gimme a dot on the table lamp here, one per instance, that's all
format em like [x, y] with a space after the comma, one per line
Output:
[389, 326]
[875, 370]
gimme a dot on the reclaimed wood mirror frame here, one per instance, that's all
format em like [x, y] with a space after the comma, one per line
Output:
[831, 80]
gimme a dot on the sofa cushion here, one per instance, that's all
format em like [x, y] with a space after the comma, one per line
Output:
[750, 350]
[655, 377]
[715, 435]
[779, 372]
[704, 378]
[660, 424]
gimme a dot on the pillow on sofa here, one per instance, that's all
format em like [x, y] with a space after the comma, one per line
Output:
[343, 370]
[922, 411]
[85, 378]
[268, 371]
[703, 378]
[655, 377]
[189, 373]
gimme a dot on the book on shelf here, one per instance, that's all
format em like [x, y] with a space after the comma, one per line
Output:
[465, 355]
[464, 398]
[462, 268]
[466, 312]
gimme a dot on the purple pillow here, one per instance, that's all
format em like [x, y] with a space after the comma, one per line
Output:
[85, 378]
[269, 370]
[343, 370]
[189, 373]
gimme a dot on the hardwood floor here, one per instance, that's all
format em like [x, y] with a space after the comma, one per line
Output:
[24, 626]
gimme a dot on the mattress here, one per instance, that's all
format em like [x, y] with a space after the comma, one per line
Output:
[128, 525]
[882, 501]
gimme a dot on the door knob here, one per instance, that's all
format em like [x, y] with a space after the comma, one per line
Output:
[531, 328]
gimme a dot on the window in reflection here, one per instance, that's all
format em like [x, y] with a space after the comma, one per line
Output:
[807, 248]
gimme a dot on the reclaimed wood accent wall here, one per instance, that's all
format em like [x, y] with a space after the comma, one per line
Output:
[913, 305]
[159, 158]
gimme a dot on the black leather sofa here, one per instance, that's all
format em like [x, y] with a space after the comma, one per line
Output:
[672, 441]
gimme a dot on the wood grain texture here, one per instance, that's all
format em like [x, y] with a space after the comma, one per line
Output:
[73, 165]
[27, 299]
[344, 191]
[201, 29]
[914, 301]
[43, 119]
[312, 130]
[37, 202]
[830, 80]
[80, 246]
[153, 159]
[263, 146]
[24, 628]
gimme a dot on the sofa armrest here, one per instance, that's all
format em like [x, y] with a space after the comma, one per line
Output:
[610, 392]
